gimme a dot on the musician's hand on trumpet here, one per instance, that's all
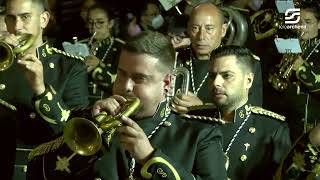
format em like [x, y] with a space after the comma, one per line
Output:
[91, 62]
[111, 105]
[134, 140]
[181, 102]
[132, 137]
[31, 65]
[297, 63]
[11, 39]
[33, 70]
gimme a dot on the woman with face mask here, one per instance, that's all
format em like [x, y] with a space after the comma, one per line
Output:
[151, 18]
[104, 50]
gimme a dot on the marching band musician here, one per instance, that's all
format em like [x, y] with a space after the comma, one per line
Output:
[206, 28]
[254, 139]
[156, 143]
[105, 49]
[42, 85]
[301, 100]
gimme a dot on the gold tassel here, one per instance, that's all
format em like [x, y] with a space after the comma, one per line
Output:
[46, 148]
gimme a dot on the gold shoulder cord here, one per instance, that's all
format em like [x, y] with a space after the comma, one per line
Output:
[50, 50]
[259, 110]
[6, 104]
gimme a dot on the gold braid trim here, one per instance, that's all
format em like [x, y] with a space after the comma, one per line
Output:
[259, 110]
[144, 170]
[203, 118]
[50, 50]
[46, 148]
[120, 40]
[8, 105]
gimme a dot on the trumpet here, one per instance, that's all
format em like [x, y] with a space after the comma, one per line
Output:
[84, 137]
[8, 53]
[281, 79]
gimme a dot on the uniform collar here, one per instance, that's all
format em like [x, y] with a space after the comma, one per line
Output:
[42, 50]
[241, 113]
[149, 123]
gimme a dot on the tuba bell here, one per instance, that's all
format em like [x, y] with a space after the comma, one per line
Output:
[237, 32]
[184, 72]
[84, 137]
[8, 53]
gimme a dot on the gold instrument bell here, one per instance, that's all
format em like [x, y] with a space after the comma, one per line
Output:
[84, 137]
[8, 53]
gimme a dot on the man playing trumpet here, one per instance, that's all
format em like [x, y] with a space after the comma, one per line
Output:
[40, 86]
[155, 143]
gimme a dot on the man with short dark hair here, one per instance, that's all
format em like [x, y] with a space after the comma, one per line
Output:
[42, 85]
[149, 140]
[255, 139]
[154, 143]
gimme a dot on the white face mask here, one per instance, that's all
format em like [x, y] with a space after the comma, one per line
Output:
[157, 22]
[255, 4]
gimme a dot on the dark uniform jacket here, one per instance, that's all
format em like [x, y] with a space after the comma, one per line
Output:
[199, 77]
[40, 118]
[255, 144]
[184, 149]
[103, 76]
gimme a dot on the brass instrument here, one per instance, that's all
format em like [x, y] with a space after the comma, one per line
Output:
[8, 53]
[184, 72]
[266, 23]
[84, 137]
[237, 27]
[281, 79]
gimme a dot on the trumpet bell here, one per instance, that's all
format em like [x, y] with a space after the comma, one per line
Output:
[6, 56]
[82, 136]
[8, 53]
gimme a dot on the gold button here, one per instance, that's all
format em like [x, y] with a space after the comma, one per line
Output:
[32, 115]
[252, 130]
[243, 157]
[2, 86]
[46, 107]
[51, 65]
[241, 114]
[24, 169]
[43, 53]
[167, 123]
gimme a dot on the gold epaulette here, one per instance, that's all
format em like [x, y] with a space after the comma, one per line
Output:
[204, 107]
[120, 40]
[46, 148]
[259, 110]
[51, 50]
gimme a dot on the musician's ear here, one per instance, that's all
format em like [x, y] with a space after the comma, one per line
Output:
[110, 24]
[44, 19]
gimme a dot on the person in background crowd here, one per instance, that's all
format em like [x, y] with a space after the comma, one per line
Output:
[105, 49]
[301, 98]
